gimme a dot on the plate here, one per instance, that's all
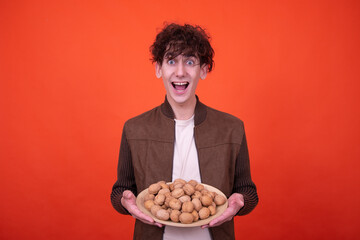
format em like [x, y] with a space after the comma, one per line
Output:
[219, 209]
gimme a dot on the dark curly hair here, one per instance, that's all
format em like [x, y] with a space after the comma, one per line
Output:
[189, 40]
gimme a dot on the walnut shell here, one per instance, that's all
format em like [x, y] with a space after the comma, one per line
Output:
[197, 204]
[154, 188]
[159, 199]
[178, 185]
[149, 197]
[193, 183]
[174, 215]
[162, 214]
[186, 218]
[164, 185]
[199, 187]
[167, 200]
[187, 207]
[219, 200]
[175, 204]
[212, 210]
[206, 200]
[164, 191]
[184, 198]
[179, 180]
[204, 213]
[168, 194]
[212, 194]
[195, 215]
[148, 204]
[154, 209]
[178, 192]
[188, 189]
[196, 194]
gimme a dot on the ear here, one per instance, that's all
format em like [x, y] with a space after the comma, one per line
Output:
[158, 72]
[203, 71]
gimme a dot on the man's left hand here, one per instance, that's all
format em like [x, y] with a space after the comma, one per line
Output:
[236, 202]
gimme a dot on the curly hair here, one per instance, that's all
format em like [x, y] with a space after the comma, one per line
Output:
[175, 39]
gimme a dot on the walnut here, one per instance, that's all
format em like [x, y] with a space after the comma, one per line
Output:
[199, 187]
[204, 213]
[206, 200]
[184, 198]
[174, 215]
[154, 188]
[154, 209]
[188, 189]
[195, 215]
[149, 197]
[159, 199]
[164, 191]
[187, 207]
[197, 204]
[219, 200]
[193, 183]
[175, 204]
[186, 218]
[196, 194]
[212, 210]
[162, 214]
[148, 204]
[178, 192]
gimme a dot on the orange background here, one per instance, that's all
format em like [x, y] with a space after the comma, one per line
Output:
[72, 72]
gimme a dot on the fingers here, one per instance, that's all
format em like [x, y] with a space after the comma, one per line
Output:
[235, 203]
[237, 200]
[128, 195]
[226, 216]
[129, 202]
[145, 218]
[205, 226]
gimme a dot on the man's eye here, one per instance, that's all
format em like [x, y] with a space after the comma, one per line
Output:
[171, 62]
[190, 62]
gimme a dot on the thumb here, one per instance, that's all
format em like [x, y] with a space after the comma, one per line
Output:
[128, 194]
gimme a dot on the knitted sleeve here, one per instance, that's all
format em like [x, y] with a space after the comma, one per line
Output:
[242, 182]
[125, 176]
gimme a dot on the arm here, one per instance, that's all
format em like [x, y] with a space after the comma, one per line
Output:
[243, 183]
[244, 198]
[124, 190]
[125, 176]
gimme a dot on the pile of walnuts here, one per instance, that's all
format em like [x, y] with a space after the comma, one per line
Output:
[181, 201]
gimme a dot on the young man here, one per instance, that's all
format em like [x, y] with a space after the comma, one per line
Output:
[183, 138]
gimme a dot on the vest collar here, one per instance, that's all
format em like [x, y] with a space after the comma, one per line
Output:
[200, 111]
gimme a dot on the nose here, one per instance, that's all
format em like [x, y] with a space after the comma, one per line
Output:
[180, 69]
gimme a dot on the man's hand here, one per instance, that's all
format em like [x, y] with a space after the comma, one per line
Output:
[236, 202]
[128, 200]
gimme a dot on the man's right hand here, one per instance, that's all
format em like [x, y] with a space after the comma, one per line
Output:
[128, 200]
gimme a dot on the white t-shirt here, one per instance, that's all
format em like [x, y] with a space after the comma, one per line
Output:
[185, 166]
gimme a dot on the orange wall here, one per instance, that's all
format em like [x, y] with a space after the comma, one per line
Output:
[71, 73]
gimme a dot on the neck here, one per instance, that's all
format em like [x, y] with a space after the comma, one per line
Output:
[183, 111]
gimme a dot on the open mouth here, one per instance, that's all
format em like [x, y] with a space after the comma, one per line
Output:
[180, 85]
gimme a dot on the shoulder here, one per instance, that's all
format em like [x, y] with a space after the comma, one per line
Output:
[223, 119]
[220, 128]
[144, 117]
[151, 124]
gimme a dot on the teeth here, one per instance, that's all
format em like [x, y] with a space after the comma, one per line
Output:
[179, 84]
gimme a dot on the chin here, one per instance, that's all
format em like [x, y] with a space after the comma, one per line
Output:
[179, 99]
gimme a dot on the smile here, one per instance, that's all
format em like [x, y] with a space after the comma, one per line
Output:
[180, 85]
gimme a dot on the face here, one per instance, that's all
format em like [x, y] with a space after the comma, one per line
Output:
[181, 76]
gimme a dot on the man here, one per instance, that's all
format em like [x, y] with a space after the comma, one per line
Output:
[183, 138]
